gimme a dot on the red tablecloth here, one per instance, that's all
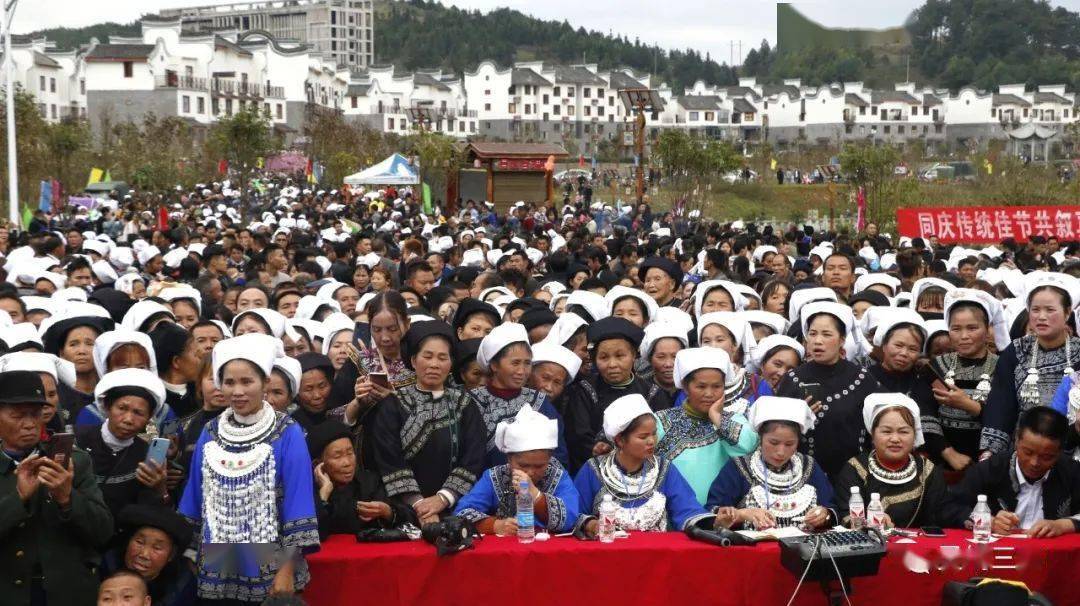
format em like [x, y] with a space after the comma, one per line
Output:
[664, 568]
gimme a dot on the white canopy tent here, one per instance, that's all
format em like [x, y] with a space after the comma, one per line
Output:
[395, 170]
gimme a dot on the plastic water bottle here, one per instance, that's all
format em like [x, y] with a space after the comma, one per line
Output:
[980, 521]
[606, 525]
[857, 509]
[875, 513]
[525, 520]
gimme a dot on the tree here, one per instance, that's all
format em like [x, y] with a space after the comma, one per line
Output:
[872, 167]
[241, 139]
[68, 144]
[30, 153]
[439, 159]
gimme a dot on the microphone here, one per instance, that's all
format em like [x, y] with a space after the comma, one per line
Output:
[720, 538]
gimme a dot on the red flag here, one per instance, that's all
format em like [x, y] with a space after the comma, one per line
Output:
[57, 191]
[581, 161]
[860, 200]
[162, 218]
[222, 167]
[309, 168]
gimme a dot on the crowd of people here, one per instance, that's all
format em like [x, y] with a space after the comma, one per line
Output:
[323, 363]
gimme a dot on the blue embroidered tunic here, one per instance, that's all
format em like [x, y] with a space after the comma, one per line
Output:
[250, 502]
[494, 495]
[655, 498]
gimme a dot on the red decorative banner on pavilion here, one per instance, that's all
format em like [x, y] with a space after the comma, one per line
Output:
[953, 224]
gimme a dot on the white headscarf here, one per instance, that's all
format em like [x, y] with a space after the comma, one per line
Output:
[529, 430]
[689, 360]
[774, 408]
[622, 412]
[500, 337]
[877, 403]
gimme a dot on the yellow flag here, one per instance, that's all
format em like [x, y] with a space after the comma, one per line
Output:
[95, 176]
[259, 162]
[772, 164]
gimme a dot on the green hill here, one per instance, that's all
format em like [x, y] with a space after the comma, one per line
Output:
[416, 33]
[69, 38]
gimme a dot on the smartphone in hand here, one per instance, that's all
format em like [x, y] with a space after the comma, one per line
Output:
[60, 446]
[159, 449]
[380, 379]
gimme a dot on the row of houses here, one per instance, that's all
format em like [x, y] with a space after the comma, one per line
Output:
[201, 77]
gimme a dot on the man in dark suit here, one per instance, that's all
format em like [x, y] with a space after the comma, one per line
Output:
[1034, 489]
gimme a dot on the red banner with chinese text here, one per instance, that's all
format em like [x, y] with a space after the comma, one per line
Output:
[521, 164]
[954, 224]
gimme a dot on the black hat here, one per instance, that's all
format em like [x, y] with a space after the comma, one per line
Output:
[313, 360]
[525, 304]
[114, 301]
[320, 436]
[614, 328]
[872, 297]
[134, 517]
[420, 331]
[465, 352]
[537, 317]
[55, 335]
[21, 387]
[470, 306]
[169, 340]
[669, 267]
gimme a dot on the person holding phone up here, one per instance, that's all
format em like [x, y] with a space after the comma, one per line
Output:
[126, 473]
[53, 520]
[834, 387]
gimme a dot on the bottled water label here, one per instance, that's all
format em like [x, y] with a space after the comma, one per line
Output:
[525, 519]
[858, 518]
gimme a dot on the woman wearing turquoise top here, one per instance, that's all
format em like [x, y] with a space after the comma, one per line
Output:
[700, 437]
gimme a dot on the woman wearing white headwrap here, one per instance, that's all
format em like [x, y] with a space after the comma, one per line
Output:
[506, 355]
[912, 488]
[650, 493]
[129, 399]
[773, 357]
[700, 436]
[834, 387]
[775, 485]
[962, 378]
[250, 465]
[658, 349]
[730, 332]
[901, 336]
[1032, 368]
[528, 442]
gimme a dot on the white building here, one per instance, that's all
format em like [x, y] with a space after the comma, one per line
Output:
[343, 30]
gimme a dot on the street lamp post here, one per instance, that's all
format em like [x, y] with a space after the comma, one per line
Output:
[13, 170]
[422, 115]
[638, 101]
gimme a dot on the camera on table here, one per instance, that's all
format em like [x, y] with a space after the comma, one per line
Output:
[450, 535]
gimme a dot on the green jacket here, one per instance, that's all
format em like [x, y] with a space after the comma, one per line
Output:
[64, 546]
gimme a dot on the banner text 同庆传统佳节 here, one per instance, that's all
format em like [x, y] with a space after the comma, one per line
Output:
[956, 224]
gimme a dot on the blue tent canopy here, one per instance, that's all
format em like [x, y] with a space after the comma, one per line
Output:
[395, 170]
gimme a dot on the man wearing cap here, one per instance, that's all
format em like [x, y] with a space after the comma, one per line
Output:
[53, 519]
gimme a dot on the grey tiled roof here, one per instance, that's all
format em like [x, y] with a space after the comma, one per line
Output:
[117, 52]
[1000, 99]
[700, 102]
[523, 76]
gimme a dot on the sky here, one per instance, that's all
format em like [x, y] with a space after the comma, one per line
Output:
[711, 26]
